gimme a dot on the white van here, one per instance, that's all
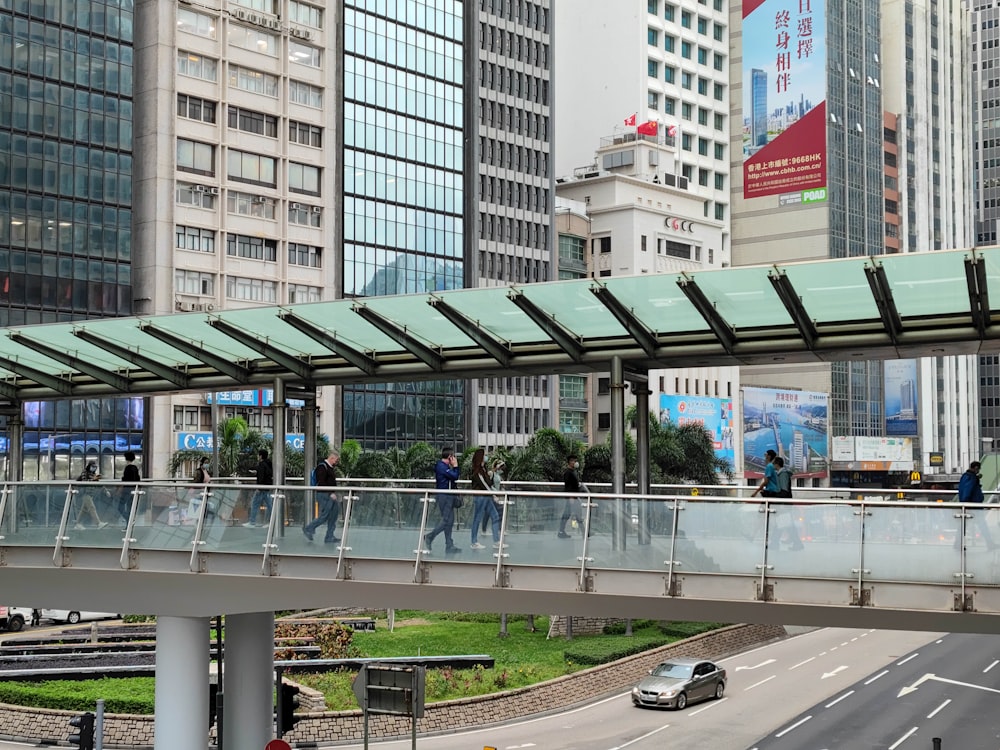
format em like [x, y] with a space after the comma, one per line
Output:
[14, 618]
[72, 616]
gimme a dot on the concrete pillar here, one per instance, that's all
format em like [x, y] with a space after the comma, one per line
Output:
[618, 452]
[181, 683]
[248, 681]
[280, 409]
[309, 451]
[15, 446]
[642, 394]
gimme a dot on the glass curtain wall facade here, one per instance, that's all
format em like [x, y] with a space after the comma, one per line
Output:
[855, 169]
[403, 216]
[66, 82]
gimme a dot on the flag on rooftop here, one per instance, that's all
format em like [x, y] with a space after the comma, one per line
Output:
[630, 120]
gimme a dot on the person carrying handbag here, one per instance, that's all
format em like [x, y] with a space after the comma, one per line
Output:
[445, 478]
[483, 506]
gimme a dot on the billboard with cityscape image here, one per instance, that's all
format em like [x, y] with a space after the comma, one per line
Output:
[900, 397]
[792, 423]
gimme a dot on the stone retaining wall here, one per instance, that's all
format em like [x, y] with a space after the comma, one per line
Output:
[24, 724]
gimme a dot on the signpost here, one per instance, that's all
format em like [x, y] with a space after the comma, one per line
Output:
[396, 689]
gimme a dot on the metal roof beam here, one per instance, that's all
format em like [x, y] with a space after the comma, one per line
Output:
[426, 354]
[639, 330]
[102, 374]
[979, 297]
[8, 392]
[44, 379]
[793, 304]
[363, 361]
[565, 339]
[722, 330]
[290, 362]
[882, 292]
[230, 369]
[499, 350]
[165, 372]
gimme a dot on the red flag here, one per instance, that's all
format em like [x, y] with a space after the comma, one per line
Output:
[672, 130]
[630, 120]
[647, 128]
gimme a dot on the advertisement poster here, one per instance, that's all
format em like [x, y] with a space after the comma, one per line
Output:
[784, 98]
[792, 423]
[714, 414]
[901, 397]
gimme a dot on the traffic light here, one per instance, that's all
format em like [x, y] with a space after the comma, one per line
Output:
[288, 701]
[84, 737]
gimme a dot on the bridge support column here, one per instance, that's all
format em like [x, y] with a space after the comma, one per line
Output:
[248, 681]
[181, 683]
[642, 394]
[309, 449]
[618, 453]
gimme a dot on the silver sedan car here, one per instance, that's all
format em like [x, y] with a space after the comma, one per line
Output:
[675, 683]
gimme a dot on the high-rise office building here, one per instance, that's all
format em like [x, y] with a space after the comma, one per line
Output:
[758, 106]
[67, 145]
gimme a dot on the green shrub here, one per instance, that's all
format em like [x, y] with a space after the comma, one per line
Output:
[687, 629]
[121, 695]
[593, 651]
[618, 628]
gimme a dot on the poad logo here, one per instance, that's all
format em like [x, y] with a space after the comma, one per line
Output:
[679, 225]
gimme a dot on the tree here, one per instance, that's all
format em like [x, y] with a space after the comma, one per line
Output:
[550, 449]
[681, 454]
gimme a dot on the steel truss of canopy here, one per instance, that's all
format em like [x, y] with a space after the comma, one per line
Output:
[883, 307]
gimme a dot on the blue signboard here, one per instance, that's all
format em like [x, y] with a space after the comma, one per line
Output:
[202, 441]
[251, 397]
[714, 414]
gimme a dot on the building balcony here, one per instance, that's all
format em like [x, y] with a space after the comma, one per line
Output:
[573, 404]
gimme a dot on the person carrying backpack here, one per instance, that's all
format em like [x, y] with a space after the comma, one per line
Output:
[329, 506]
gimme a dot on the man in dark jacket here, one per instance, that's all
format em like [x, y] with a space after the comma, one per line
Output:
[445, 478]
[329, 506]
[572, 508]
[970, 490]
[265, 478]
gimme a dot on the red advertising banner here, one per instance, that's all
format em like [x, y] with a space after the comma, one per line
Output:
[795, 160]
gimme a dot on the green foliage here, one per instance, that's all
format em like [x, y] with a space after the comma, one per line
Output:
[681, 630]
[551, 449]
[618, 628]
[589, 652]
[132, 695]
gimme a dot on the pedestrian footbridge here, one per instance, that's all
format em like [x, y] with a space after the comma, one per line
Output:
[830, 557]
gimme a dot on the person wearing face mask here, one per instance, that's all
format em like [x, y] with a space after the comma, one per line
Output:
[970, 490]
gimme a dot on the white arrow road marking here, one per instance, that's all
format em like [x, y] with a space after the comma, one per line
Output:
[757, 666]
[911, 688]
[839, 669]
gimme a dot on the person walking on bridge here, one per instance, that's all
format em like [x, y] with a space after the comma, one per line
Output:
[445, 478]
[769, 487]
[970, 490]
[329, 506]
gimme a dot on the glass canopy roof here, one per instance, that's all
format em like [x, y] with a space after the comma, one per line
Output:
[871, 308]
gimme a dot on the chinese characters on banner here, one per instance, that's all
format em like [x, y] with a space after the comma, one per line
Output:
[784, 93]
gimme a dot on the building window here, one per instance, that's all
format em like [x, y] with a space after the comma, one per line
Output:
[653, 6]
[718, 61]
[197, 66]
[305, 255]
[193, 418]
[572, 248]
[247, 204]
[303, 54]
[686, 80]
[703, 56]
[720, 181]
[720, 121]
[573, 387]
[686, 19]
[603, 386]
[244, 166]
[669, 105]
[720, 151]
[309, 15]
[254, 39]
[252, 290]
[307, 135]
[668, 73]
[200, 196]
[720, 212]
[703, 177]
[303, 178]
[264, 6]
[669, 11]
[604, 420]
[196, 23]
[603, 244]
[686, 50]
[702, 116]
[572, 422]
[652, 68]
[193, 108]
[653, 37]
[718, 92]
[652, 100]
[686, 111]
[718, 32]
[194, 238]
[193, 156]
[298, 293]
[703, 146]
[686, 141]
[702, 25]
[304, 214]
[254, 248]
[194, 282]
[253, 81]
[669, 42]
[304, 93]
[253, 122]
[703, 86]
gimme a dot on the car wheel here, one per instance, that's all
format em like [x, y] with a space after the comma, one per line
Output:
[15, 624]
[73, 618]
[682, 701]
[720, 690]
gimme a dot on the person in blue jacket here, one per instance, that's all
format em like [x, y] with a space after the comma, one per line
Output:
[445, 478]
[769, 486]
[970, 490]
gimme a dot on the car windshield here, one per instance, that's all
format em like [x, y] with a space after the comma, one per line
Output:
[673, 670]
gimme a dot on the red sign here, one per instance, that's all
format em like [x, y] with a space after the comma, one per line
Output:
[277, 745]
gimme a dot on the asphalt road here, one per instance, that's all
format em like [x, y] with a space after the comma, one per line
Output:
[769, 687]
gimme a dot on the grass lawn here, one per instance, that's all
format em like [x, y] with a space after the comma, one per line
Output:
[523, 658]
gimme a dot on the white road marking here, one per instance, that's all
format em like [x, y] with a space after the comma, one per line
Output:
[811, 658]
[910, 688]
[799, 723]
[515, 747]
[713, 704]
[756, 684]
[757, 666]
[911, 656]
[933, 713]
[835, 672]
[902, 739]
[846, 643]
[991, 666]
[637, 739]
[845, 695]
[883, 673]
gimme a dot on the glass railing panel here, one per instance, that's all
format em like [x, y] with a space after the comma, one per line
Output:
[981, 540]
[632, 533]
[719, 536]
[33, 513]
[819, 540]
[385, 522]
[166, 518]
[917, 543]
